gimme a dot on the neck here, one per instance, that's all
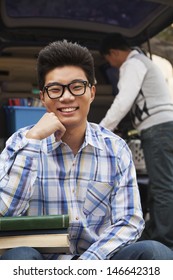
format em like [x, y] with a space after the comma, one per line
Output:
[74, 138]
[126, 53]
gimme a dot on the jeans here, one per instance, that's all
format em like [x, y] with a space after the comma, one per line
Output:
[142, 250]
[157, 144]
[21, 253]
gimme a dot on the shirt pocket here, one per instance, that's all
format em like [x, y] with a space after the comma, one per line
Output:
[97, 198]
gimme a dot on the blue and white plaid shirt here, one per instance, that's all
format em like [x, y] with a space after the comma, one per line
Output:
[97, 188]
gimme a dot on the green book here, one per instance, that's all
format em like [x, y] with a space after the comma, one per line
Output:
[34, 222]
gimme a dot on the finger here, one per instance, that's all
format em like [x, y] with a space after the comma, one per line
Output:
[58, 134]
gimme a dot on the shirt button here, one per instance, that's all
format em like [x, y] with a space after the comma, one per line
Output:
[77, 218]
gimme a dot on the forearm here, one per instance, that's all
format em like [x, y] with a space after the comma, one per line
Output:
[17, 178]
[131, 78]
[116, 113]
[126, 214]
[124, 232]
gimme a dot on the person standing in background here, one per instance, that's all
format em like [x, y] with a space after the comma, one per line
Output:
[143, 92]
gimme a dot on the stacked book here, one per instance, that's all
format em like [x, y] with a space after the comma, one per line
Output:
[47, 234]
[30, 101]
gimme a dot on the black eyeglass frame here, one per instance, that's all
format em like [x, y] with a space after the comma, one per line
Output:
[46, 88]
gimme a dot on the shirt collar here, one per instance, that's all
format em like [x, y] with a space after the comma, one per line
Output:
[49, 144]
[132, 53]
[93, 137]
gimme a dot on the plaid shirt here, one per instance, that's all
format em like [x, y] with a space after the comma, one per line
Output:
[97, 188]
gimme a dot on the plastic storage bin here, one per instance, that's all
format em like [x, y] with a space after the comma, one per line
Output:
[20, 116]
[138, 156]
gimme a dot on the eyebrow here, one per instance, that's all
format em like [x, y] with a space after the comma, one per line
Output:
[73, 81]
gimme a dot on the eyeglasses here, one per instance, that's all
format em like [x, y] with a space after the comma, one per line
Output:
[56, 90]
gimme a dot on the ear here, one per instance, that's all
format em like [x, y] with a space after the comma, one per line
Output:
[93, 92]
[42, 98]
[114, 52]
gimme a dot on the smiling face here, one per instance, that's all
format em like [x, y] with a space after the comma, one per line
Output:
[71, 110]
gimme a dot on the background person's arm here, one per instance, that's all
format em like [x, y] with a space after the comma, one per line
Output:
[132, 74]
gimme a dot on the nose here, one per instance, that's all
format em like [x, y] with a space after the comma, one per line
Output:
[66, 95]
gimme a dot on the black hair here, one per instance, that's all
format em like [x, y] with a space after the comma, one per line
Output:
[114, 41]
[62, 53]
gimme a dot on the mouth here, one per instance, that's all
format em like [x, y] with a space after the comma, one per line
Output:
[68, 109]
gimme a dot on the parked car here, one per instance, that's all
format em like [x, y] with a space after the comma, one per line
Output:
[26, 27]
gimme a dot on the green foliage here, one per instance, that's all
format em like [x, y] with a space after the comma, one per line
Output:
[166, 34]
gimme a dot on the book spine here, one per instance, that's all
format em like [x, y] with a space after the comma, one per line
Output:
[33, 232]
[34, 222]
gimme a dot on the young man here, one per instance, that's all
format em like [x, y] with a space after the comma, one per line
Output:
[144, 92]
[64, 164]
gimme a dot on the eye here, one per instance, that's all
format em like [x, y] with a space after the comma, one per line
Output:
[55, 89]
[77, 86]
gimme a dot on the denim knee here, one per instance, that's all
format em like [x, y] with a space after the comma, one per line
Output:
[144, 250]
[22, 253]
[157, 251]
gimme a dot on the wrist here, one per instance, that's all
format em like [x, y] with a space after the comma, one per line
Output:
[32, 135]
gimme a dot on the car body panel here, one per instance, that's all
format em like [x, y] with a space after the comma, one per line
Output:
[86, 20]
